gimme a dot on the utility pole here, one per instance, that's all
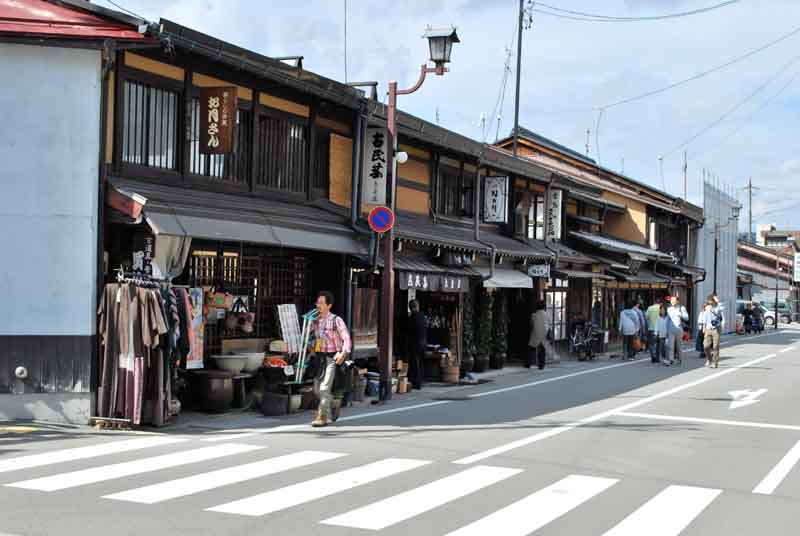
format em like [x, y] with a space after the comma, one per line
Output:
[519, 69]
[685, 183]
[588, 137]
[750, 188]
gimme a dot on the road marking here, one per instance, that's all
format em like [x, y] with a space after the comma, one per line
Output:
[668, 513]
[310, 490]
[537, 510]
[223, 477]
[557, 378]
[395, 410]
[417, 501]
[745, 397]
[228, 437]
[121, 470]
[779, 472]
[82, 453]
[785, 350]
[605, 414]
[677, 418]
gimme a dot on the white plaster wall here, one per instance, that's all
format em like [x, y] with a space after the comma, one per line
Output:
[717, 207]
[49, 149]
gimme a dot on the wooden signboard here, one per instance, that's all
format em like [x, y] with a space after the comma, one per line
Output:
[217, 119]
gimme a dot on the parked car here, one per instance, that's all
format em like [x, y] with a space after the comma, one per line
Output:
[769, 314]
[784, 310]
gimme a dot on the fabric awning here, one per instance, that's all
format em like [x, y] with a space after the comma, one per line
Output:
[172, 211]
[580, 274]
[505, 278]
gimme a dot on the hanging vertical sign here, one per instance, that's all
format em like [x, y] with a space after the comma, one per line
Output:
[374, 171]
[495, 199]
[217, 119]
[796, 270]
[554, 215]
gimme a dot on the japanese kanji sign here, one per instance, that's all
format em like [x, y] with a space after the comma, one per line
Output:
[375, 169]
[427, 282]
[217, 119]
[554, 215]
[495, 199]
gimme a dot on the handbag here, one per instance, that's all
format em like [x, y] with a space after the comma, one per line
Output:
[219, 300]
[240, 318]
[636, 343]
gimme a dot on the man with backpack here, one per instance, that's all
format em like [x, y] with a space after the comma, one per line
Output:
[714, 320]
[677, 315]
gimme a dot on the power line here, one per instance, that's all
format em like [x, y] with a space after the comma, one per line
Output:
[704, 73]
[752, 114]
[128, 11]
[594, 17]
[738, 105]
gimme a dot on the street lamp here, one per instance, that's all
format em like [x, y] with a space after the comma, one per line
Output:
[440, 43]
[778, 254]
[717, 228]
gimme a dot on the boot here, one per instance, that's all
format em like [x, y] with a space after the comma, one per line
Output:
[320, 421]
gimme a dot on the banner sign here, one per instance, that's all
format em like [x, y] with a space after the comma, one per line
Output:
[217, 119]
[374, 171]
[426, 282]
[796, 270]
[495, 199]
[554, 215]
[539, 270]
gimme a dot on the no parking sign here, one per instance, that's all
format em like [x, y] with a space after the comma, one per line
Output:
[381, 219]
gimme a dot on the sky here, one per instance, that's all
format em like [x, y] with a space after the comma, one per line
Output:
[569, 70]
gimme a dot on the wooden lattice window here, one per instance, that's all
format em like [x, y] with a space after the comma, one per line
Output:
[282, 154]
[149, 126]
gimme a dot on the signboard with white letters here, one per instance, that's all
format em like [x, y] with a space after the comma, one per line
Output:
[796, 270]
[426, 282]
[495, 199]
[539, 270]
[375, 171]
[554, 215]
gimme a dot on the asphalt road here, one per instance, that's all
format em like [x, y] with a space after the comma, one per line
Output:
[604, 448]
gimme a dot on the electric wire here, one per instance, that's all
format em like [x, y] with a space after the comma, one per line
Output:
[750, 116]
[594, 17]
[128, 11]
[704, 73]
[738, 105]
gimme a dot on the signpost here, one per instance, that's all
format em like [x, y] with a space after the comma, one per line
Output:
[217, 119]
[495, 198]
[375, 168]
[554, 216]
[381, 219]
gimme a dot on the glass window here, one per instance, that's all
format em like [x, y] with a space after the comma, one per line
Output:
[149, 129]
[448, 199]
[234, 167]
[536, 217]
[555, 306]
[282, 146]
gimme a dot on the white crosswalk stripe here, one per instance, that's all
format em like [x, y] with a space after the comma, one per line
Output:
[120, 470]
[412, 503]
[83, 453]
[537, 510]
[223, 477]
[310, 490]
[666, 514]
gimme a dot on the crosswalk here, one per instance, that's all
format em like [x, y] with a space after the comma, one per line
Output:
[530, 504]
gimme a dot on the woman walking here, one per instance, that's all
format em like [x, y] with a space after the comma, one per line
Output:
[661, 334]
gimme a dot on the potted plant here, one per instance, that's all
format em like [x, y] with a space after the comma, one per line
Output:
[500, 332]
[484, 331]
[468, 335]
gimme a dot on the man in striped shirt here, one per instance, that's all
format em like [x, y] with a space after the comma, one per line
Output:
[331, 346]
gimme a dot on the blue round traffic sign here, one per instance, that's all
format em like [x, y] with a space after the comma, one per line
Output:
[381, 219]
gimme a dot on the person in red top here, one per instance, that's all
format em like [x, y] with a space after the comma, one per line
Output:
[331, 346]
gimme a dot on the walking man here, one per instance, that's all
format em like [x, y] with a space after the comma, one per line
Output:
[631, 326]
[417, 341]
[652, 314]
[331, 347]
[537, 342]
[714, 321]
[677, 315]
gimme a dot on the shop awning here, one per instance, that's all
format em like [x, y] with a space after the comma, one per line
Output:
[580, 274]
[635, 251]
[505, 278]
[645, 277]
[198, 214]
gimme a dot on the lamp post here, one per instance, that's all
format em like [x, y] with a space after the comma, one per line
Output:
[440, 42]
[778, 254]
[717, 228]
